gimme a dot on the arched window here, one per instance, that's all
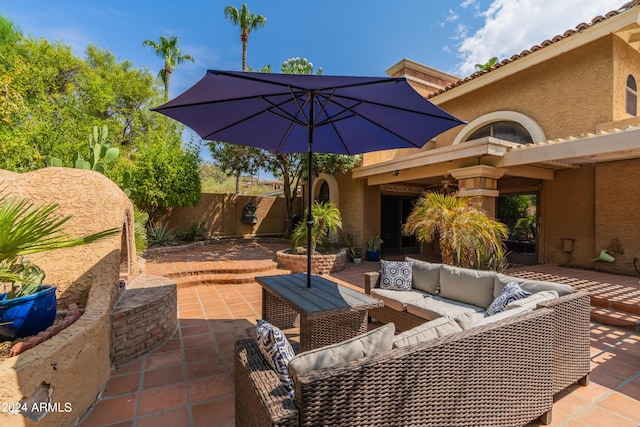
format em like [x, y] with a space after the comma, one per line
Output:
[323, 195]
[505, 130]
[631, 96]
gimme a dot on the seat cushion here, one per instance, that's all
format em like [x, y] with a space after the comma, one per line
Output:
[425, 275]
[469, 320]
[395, 275]
[511, 292]
[473, 287]
[433, 307]
[277, 351]
[398, 300]
[533, 300]
[531, 286]
[367, 344]
[427, 331]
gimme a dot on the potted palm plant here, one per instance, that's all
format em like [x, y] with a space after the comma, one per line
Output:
[373, 248]
[27, 306]
[327, 220]
[467, 236]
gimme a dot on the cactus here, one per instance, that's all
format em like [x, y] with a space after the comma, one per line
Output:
[101, 153]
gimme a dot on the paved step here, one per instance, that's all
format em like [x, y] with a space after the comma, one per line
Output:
[224, 278]
[186, 269]
[621, 319]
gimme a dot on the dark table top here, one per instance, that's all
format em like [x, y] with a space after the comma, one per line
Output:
[323, 298]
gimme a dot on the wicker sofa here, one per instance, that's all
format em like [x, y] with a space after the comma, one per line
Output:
[498, 374]
[436, 285]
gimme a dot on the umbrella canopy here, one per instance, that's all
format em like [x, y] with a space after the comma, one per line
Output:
[291, 113]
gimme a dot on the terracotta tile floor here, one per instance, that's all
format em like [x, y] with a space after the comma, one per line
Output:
[188, 381]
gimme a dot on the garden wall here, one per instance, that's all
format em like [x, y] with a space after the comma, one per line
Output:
[64, 375]
[222, 214]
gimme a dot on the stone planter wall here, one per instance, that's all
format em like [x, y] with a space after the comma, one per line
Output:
[320, 263]
[144, 317]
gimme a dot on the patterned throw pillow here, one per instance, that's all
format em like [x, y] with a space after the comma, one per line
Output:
[275, 348]
[511, 292]
[395, 275]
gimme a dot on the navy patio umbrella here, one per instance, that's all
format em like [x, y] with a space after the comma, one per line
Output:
[292, 113]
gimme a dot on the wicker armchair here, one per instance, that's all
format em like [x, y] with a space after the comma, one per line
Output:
[493, 375]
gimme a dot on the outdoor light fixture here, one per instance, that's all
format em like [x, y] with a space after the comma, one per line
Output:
[396, 172]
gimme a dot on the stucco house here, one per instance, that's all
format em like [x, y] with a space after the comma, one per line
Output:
[558, 122]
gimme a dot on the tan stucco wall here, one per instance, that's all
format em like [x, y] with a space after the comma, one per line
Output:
[626, 61]
[74, 364]
[222, 215]
[567, 206]
[616, 214]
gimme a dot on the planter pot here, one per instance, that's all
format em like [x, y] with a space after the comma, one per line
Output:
[373, 255]
[357, 260]
[27, 315]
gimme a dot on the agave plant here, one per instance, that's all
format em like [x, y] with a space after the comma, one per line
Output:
[27, 228]
[327, 219]
[467, 236]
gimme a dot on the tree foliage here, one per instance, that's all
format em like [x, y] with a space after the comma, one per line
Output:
[50, 100]
[467, 236]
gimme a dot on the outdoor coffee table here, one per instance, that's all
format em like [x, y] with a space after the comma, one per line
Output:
[327, 312]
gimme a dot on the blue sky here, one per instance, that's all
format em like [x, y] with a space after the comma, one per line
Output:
[350, 37]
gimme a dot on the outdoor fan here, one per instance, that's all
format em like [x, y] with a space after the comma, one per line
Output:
[446, 186]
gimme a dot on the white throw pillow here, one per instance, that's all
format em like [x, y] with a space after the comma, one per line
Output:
[510, 293]
[275, 348]
[395, 275]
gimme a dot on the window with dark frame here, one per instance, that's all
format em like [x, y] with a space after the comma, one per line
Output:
[631, 96]
[505, 130]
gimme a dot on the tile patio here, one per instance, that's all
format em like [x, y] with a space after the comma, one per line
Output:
[188, 381]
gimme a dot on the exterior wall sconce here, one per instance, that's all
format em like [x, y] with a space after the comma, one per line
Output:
[396, 172]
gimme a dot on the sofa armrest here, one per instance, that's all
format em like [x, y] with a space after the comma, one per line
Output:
[571, 335]
[371, 280]
[261, 399]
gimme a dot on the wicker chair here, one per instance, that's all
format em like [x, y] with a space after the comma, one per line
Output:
[498, 374]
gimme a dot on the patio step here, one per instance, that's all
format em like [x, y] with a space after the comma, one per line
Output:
[197, 279]
[621, 319]
[204, 268]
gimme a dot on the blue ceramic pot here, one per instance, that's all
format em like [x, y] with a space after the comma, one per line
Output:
[28, 315]
[373, 255]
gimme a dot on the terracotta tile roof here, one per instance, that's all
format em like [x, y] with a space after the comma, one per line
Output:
[581, 27]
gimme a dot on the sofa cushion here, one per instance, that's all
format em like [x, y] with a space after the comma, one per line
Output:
[429, 330]
[531, 286]
[426, 275]
[511, 292]
[277, 351]
[396, 299]
[367, 344]
[395, 275]
[469, 320]
[473, 287]
[533, 300]
[433, 307]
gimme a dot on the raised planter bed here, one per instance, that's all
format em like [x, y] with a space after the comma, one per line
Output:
[320, 263]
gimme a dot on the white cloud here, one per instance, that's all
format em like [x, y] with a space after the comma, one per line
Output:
[511, 26]
[453, 16]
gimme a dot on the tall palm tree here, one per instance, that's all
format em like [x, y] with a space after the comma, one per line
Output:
[167, 49]
[247, 21]
[467, 236]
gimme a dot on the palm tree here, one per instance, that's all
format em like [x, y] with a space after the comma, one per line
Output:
[167, 49]
[490, 63]
[327, 220]
[247, 21]
[27, 228]
[467, 236]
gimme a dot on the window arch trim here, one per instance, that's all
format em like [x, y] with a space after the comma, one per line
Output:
[534, 129]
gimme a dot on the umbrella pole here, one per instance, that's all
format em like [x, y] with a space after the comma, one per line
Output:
[309, 183]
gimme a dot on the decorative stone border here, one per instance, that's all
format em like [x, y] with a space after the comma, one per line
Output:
[320, 263]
